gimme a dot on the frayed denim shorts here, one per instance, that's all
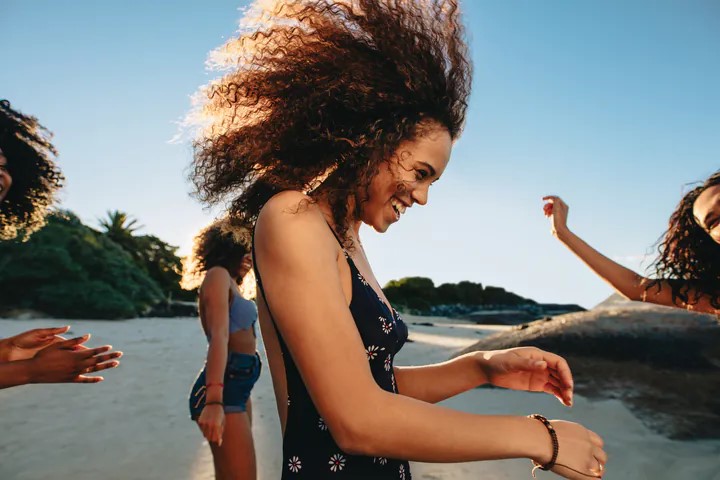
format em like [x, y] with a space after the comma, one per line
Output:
[241, 373]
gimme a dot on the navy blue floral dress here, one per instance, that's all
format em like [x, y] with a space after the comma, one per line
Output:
[309, 451]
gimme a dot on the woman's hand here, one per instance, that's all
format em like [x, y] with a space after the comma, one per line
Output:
[25, 345]
[68, 361]
[557, 211]
[212, 423]
[580, 455]
[529, 369]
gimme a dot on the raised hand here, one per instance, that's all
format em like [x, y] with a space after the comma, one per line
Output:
[557, 211]
[529, 369]
[25, 345]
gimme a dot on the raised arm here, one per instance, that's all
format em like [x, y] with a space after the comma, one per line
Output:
[297, 258]
[626, 282]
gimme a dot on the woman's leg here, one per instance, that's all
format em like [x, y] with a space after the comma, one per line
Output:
[235, 459]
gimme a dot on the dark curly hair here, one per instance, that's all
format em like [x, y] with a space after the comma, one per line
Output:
[326, 90]
[35, 176]
[689, 259]
[223, 243]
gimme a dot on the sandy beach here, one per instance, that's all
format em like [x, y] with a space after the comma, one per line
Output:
[135, 426]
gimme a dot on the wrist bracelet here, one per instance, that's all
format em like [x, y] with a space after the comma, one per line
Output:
[208, 385]
[213, 403]
[555, 444]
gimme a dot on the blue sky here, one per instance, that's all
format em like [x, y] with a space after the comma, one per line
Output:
[613, 105]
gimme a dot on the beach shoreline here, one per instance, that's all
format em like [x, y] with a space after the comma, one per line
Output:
[135, 424]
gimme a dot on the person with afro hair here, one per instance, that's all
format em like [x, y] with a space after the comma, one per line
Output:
[29, 177]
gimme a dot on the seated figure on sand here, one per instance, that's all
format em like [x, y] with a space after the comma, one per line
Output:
[29, 180]
[688, 267]
[331, 115]
[220, 397]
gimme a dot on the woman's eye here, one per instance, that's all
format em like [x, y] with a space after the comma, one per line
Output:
[421, 174]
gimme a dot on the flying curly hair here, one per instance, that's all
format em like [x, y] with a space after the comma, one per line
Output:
[36, 178]
[223, 243]
[689, 259]
[316, 94]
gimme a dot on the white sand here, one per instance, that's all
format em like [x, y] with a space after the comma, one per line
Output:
[135, 426]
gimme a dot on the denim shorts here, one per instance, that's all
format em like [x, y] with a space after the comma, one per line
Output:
[241, 373]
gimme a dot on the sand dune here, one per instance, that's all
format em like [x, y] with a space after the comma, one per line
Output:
[135, 426]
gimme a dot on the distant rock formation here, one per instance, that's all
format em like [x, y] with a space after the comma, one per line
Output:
[663, 362]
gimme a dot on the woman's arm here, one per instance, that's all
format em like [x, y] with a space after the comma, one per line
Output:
[523, 368]
[297, 258]
[625, 281]
[214, 302]
[214, 307]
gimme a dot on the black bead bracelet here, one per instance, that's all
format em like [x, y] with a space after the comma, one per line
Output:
[555, 444]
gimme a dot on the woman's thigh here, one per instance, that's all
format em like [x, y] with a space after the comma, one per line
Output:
[236, 457]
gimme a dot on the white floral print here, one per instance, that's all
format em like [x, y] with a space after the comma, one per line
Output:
[402, 472]
[322, 425]
[388, 362]
[337, 462]
[380, 460]
[294, 464]
[386, 325]
[362, 279]
[372, 351]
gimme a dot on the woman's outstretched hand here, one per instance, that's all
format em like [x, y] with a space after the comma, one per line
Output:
[529, 369]
[580, 454]
[68, 361]
[24, 346]
[557, 211]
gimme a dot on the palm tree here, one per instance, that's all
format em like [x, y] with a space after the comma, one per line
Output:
[119, 227]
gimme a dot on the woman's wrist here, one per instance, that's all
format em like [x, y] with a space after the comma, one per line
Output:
[562, 233]
[541, 445]
[5, 349]
[480, 359]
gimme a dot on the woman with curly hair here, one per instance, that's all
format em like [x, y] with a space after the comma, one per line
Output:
[687, 270]
[29, 178]
[330, 115]
[220, 398]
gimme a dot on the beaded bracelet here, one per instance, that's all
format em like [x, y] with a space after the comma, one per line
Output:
[208, 385]
[555, 444]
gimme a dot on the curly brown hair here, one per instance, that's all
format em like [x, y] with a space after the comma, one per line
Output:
[689, 259]
[326, 90]
[36, 178]
[223, 243]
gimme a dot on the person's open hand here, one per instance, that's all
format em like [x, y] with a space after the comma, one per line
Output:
[69, 361]
[529, 369]
[25, 345]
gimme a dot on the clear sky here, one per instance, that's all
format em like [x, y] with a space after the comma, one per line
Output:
[613, 105]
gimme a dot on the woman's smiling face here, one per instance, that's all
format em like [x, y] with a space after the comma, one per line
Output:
[706, 211]
[5, 178]
[404, 179]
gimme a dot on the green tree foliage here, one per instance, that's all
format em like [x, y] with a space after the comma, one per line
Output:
[420, 294]
[70, 270]
[157, 258]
